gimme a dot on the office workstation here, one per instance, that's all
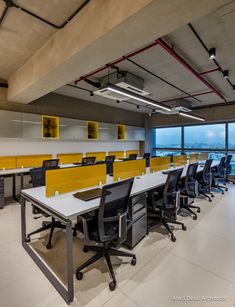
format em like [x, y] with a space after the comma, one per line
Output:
[117, 162]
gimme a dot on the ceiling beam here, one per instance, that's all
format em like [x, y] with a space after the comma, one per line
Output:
[103, 31]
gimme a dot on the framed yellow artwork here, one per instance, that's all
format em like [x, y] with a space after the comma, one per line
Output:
[50, 127]
[92, 130]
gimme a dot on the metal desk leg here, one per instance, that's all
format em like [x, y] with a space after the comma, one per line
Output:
[2, 198]
[66, 292]
[14, 188]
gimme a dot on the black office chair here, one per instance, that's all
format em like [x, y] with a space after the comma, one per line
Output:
[205, 180]
[188, 190]
[218, 175]
[165, 204]
[88, 161]
[38, 180]
[132, 157]
[51, 162]
[109, 227]
[228, 168]
[146, 156]
[109, 160]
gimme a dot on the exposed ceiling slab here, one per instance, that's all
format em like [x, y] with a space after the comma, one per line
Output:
[82, 45]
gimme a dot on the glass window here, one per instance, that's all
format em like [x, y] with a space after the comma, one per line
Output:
[168, 137]
[231, 136]
[205, 136]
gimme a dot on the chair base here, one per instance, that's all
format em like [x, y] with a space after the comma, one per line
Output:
[47, 225]
[207, 196]
[104, 252]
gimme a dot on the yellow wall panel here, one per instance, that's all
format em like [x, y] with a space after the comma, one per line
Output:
[159, 163]
[7, 162]
[193, 158]
[117, 154]
[128, 152]
[71, 179]
[100, 155]
[32, 160]
[70, 158]
[203, 156]
[128, 169]
[179, 160]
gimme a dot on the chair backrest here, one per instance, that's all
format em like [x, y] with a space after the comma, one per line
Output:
[88, 161]
[146, 155]
[113, 209]
[38, 175]
[170, 192]
[206, 173]
[51, 162]
[228, 161]
[190, 179]
[110, 159]
[220, 167]
[132, 157]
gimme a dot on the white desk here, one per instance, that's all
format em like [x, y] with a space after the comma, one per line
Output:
[65, 207]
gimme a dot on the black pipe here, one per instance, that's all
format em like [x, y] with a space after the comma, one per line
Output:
[207, 50]
[163, 80]
[10, 3]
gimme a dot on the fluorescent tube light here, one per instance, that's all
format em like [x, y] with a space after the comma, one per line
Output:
[138, 97]
[192, 116]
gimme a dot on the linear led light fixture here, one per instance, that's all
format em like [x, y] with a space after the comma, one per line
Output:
[129, 94]
[192, 116]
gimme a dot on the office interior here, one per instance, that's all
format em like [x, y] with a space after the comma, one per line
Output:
[117, 163]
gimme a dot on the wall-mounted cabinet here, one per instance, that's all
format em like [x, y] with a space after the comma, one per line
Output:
[29, 126]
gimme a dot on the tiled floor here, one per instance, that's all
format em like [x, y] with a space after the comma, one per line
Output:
[197, 270]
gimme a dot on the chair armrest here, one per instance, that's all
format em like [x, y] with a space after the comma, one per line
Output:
[122, 228]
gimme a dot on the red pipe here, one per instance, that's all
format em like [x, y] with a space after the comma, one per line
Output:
[117, 61]
[209, 71]
[189, 96]
[172, 52]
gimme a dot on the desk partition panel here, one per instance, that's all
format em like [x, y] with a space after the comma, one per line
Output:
[100, 155]
[71, 179]
[70, 158]
[193, 158]
[117, 154]
[159, 163]
[129, 152]
[32, 160]
[179, 160]
[203, 156]
[7, 162]
[128, 169]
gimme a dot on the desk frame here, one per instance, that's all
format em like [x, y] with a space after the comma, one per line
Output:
[66, 292]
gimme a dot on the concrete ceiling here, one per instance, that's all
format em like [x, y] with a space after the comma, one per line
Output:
[21, 35]
[216, 30]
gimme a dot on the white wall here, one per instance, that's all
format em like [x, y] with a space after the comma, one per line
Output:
[9, 146]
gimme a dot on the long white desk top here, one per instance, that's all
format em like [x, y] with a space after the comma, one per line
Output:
[67, 206]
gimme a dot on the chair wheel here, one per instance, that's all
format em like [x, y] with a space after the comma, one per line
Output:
[210, 200]
[184, 227]
[223, 193]
[173, 238]
[212, 195]
[85, 249]
[133, 261]
[28, 240]
[195, 217]
[198, 210]
[48, 246]
[112, 285]
[74, 233]
[226, 189]
[79, 275]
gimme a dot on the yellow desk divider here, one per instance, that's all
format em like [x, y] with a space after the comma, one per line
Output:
[71, 179]
[7, 162]
[70, 157]
[159, 163]
[31, 161]
[128, 169]
[203, 156]
[193, 158]
[117, 154]
[179, 160]
[100, 155]
[129, 152]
